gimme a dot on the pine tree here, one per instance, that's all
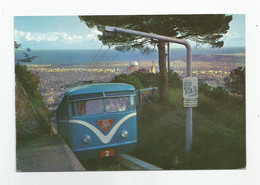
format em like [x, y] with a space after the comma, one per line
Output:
[203, 29]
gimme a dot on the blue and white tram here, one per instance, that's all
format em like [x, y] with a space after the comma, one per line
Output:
[98, 120]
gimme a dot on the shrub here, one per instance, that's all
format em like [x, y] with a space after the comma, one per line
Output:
[129, 79]
[219, 93]
[235, 82]
[174, 80]
[204, 87]
[29, 101]
[175, 98]
[147, 79]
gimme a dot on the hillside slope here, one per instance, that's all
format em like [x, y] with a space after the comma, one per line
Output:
[218, 134]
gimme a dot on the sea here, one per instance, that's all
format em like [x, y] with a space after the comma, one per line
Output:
[79, 57]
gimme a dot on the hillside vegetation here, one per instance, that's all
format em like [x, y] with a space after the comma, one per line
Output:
[32, 116]
[218, 128]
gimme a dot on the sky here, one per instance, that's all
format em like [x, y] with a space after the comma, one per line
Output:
[68, 32]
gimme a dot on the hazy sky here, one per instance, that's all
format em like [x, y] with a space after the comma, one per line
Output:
[68, 32]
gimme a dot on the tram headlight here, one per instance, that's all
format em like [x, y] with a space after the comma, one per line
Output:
[86, 139]
[124, 133]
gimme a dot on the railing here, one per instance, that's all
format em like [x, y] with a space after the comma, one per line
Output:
[143, 95]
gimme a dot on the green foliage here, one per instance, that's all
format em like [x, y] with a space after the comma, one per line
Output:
[175, 98]
[29, 101]
[148, 79]
[29, 81]
[203, 29]
[219, 93]
[145, 80]
[174, 80]
[129, 79]
[235, 82]
[26, 58]
[17, 45]
[218, 128]
[218, 134]
[204, 87]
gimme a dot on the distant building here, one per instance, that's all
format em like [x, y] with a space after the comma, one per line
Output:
[134, 66]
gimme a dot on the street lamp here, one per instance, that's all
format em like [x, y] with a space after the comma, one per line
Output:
[189, 70]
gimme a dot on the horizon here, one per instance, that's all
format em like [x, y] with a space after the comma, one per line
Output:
[80, 56]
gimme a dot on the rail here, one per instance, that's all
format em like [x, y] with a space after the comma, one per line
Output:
[143, 95]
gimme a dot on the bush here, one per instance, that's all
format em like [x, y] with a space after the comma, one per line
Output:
[29, 101]
[28, 80]
[219, 93]
[147, 79]
[152, 80]
[175, 98]
[174, 80]
[235, 82]
[204, 87]
[129, 79]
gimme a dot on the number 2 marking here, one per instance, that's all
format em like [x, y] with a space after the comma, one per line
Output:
[107, 153]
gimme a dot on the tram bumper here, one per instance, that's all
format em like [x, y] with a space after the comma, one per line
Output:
[109, 150]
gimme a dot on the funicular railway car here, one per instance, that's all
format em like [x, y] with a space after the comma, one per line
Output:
[98, 120]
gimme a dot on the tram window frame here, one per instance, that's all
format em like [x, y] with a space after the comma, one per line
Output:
[75, 108]
[116, 109]
[74, 112]
[132, 102]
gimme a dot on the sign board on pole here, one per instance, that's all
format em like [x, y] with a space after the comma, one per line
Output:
[190, 92]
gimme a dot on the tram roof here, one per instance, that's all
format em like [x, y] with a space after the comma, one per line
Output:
[100, 87]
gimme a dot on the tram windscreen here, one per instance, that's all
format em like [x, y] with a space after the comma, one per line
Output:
[90, 107]
[99, 106]
[117, 104]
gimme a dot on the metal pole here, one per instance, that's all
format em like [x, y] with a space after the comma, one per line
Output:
[189, 70]
[188, 129]
[169, 60]
[189, 109]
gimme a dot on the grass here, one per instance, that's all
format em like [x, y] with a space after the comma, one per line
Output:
[218, 134]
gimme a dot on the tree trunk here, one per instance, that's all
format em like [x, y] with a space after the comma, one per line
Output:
[163, 89]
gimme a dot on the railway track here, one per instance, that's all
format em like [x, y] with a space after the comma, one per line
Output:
[122, 162]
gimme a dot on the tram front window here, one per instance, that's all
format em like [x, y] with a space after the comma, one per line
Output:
[90, 107]
[117, 104]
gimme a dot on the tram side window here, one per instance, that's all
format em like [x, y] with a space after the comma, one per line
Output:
[117, 104]
[89, 107]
